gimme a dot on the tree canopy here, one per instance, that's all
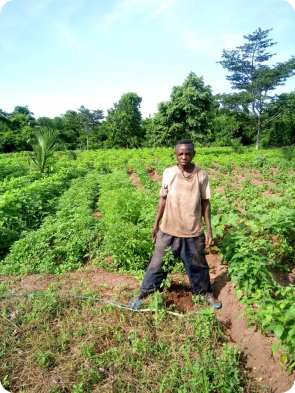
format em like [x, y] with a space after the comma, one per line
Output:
[252, 77]
[188, 114]
[123, 124]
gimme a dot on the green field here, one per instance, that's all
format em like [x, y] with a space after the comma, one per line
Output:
[47, 227]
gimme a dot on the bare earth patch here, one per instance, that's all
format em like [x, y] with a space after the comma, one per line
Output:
[135, 178]
[97, 214]
[153, 174]
[284, 279]
[256, 347]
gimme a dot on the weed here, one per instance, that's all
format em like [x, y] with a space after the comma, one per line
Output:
[110, 348]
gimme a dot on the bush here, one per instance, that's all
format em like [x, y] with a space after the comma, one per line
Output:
[237, 146]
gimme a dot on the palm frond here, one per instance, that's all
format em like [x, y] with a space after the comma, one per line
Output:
[43, 145]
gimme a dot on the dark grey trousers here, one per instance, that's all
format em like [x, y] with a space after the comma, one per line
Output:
[191, 251]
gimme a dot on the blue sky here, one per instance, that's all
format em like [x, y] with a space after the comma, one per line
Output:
[56, 55]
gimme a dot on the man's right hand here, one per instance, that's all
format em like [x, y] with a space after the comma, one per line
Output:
[155, 232]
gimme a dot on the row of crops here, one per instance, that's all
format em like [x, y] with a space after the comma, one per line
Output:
[47, 223]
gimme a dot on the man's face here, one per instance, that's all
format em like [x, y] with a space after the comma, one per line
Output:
[184, 155]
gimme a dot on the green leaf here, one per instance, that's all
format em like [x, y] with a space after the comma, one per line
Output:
[284, 358]
[278, 330]
[239, 293]
[290, 314]
[275, 348]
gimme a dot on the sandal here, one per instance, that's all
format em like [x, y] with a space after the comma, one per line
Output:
[213, 302]
[136, 301]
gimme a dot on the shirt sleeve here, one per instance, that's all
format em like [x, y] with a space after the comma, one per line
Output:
[205, 190]
[164, 188]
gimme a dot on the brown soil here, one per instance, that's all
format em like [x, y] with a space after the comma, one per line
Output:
[153, 174]
[97, 214]
[220, 189]
[90, 278]
[274, 170]
[256, 347]
[213, 173]
[254, 174]
[284, 279]
[269, 194]
[257, 182]
[135, 178]
[180, 297]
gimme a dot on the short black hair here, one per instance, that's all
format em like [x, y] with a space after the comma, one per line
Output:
[185, 142]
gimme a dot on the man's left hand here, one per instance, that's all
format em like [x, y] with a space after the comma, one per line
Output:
[209, 239]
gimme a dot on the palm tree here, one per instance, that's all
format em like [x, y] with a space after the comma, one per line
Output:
[43, 145]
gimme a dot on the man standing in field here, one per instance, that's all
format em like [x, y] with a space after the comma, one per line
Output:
[184, 199]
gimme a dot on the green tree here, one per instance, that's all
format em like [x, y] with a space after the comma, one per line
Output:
[7, 140]
[70, 129]
[4, 114]
[252, 77]
[21, 110]
[123, 124]
[189, 114]
[90, 121]
[279, 121]
[225, 129]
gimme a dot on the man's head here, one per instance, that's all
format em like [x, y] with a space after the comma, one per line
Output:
[184, 152]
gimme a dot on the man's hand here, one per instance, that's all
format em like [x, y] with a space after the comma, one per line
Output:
[155, 232]
[209, 239]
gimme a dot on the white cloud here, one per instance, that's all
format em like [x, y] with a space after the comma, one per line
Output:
[129, 7]
[71, 41]
[197, 43]
[135, 2]
[162, 8]
[74, 44]
[111, 18]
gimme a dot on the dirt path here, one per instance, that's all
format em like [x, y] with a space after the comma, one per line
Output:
[256, 347]
[135, 178]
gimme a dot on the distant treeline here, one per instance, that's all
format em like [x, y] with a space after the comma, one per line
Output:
[192, 112]
[249, 115]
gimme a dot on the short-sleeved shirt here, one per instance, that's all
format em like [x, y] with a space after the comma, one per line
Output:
[183, 211]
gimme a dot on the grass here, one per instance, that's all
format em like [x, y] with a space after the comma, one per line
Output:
[57, 345]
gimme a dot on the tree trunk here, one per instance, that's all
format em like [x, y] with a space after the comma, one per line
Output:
[258, 131]
[87, 142]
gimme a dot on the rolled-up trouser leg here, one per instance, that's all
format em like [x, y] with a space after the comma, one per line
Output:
[193, 257]
[155, 273]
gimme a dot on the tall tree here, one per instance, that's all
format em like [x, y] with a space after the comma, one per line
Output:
[90, 120]
[123, 124]
[252, 77]
[189, 114]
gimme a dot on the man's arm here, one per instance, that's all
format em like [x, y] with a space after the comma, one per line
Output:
[161, 208]
[206, 211]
